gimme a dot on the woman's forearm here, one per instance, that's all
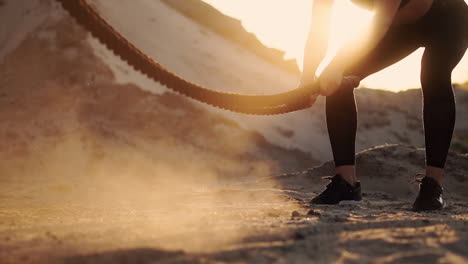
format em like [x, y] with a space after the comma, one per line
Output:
[314, 53]
[317, 40]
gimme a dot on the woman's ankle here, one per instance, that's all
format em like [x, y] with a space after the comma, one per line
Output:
[348, 173]
[435, 173]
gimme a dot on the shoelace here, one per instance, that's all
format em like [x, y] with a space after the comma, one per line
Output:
[332, 179]
[419, 177]
[330, 188]
[428, 188]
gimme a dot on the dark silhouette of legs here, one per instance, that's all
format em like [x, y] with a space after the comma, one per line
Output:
[341, 111]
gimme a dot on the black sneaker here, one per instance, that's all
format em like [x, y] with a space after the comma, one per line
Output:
[338, 190]
[430, 195]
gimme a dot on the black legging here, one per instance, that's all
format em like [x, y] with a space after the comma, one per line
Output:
[443, 31]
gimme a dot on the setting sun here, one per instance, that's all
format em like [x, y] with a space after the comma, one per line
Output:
[284, 24]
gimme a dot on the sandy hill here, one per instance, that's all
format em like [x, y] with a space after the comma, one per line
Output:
[231, 29]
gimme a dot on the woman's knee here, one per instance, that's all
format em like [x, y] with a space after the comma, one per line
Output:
[341, 95]
[341, 105]
[438, 93]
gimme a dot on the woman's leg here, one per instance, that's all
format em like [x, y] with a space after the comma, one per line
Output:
[439, 59]
[341, 110]
[446, 42]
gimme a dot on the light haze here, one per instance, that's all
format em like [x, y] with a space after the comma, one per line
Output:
[283, 24]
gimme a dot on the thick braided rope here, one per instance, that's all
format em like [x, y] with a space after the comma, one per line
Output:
[281, 103]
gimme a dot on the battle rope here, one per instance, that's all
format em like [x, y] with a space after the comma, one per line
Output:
[281, 103]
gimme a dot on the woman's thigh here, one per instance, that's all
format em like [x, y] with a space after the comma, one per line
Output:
[440, 57]
[398, 43]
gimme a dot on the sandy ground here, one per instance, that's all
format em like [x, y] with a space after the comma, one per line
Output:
[94, 169]
[266, 220]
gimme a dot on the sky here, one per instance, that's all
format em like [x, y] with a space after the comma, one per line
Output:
[284, 24]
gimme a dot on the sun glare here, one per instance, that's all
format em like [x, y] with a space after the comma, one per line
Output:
[283, 24]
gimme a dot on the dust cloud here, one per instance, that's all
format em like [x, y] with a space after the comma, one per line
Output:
[140, 199]
[99, 166]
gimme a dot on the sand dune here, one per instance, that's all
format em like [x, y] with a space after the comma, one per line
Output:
[100, 165]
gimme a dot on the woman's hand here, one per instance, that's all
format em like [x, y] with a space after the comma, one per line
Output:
[310, 82]
[332, 79]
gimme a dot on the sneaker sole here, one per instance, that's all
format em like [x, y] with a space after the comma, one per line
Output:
[349, 202]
